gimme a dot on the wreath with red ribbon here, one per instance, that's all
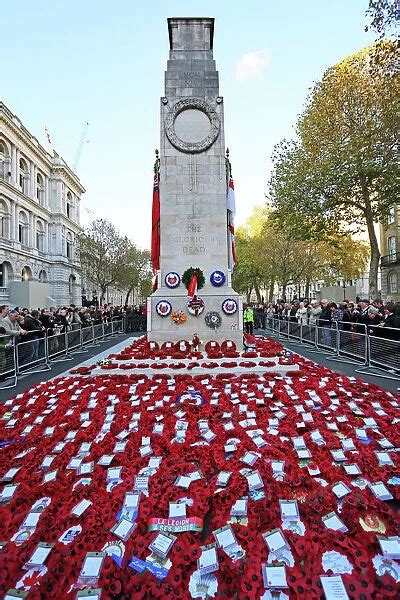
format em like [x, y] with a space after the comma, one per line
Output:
[188, 274]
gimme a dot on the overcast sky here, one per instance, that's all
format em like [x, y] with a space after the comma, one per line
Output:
[67, 62]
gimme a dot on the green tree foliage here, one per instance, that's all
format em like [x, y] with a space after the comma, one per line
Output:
[268, 254]
[135, 272]
[342, 172]
[111, 260]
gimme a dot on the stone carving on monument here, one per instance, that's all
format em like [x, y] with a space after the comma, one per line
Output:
[193, 172]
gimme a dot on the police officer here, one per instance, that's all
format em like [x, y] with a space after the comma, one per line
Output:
[248, 319]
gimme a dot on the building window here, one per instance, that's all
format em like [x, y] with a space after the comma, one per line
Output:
[69, 246]
[6, 274]
[390, 218]
[3, 220]
[42, 276]
[23, 229]
[39, 188]
[71, 282]
[40, 236]
[23, 175]
[392, 247]
[68, 207]
[3, 159]
[392, 283]
[26, 274]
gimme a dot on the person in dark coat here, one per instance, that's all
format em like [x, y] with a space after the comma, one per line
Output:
[34, 331]
[293, 311]
[47, 320]
[325, 321]
[363, 312]
[374, 321]
[391, 324]
[379, 305]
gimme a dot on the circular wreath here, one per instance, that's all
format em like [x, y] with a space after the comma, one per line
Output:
[212, 346]
[213, 319]
[229, 306]
[163, 308]
[172, 279]
[195, 306]
[188, 274]
[228, 346]
[217, 278]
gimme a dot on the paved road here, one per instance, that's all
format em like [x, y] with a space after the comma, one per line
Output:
[345, 367]
[57, 368]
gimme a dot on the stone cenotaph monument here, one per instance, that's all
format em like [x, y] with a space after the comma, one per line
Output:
[193, 176]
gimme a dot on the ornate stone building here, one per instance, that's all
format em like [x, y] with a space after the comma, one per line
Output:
[39, 221]
[390, 250]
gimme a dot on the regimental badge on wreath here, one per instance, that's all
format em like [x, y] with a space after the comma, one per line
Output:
[229, 306]
[163, 308]
[172, 279]
[195, 306]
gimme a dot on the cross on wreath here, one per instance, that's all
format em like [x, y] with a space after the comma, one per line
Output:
[196, 306]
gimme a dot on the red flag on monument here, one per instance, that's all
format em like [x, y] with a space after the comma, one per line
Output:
[231, 207]
[192, 289]
[155, 227]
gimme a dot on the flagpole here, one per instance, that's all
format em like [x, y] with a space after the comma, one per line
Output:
[157, 173]
[228, 171]
[155, 239]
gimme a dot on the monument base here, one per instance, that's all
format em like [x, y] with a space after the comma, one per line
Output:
[163, 329]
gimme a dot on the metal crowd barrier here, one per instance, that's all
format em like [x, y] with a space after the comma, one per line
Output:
[36, 355]
[135, 323]
[369, 347]
[384, 351]
[8, 362]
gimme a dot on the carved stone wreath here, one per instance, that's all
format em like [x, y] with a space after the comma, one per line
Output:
[197, 104]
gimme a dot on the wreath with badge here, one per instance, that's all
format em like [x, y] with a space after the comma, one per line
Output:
[213, 319]
[188, 274]
[195, 306]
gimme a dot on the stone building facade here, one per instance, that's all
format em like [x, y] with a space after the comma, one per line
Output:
[390, 251]
[39, 221]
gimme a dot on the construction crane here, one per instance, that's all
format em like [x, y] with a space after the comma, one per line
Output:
[80, 145]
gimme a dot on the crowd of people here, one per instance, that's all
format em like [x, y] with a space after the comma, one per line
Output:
[363, 316]
[31, 323]
[20, 325]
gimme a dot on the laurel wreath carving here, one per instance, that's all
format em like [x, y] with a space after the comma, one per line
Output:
[185, 104]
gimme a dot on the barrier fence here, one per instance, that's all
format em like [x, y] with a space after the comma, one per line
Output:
[369, 347]
[36, 355]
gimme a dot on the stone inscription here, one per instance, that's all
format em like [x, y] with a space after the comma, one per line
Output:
[193, 244]
[192, 78]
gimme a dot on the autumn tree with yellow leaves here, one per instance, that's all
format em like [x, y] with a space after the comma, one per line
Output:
[341, 173]
[267, 255]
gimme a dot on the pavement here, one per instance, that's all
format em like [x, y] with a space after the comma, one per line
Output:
[91, 355]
